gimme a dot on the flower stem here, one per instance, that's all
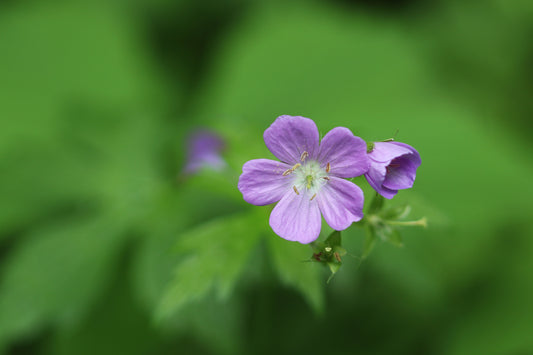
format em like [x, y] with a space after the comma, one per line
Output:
[421, 222]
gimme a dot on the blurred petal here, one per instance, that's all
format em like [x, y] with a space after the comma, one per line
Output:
[296, 217]
[341, 203]
[345, 153]
[204, 151]
[262, 181]
[289, 136]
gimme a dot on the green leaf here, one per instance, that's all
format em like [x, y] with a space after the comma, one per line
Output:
[305, 277]
[56, 274]
[214, 255]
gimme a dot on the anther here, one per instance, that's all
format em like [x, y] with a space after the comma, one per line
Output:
[304, 156]
[312, 197]
[289, 171]
[325, 178]
[295, 190]
[328, 167]
[338, 257]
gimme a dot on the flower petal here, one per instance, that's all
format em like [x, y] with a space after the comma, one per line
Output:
[262, 181]
[386, 151]
[296, 217]
[375, 177]
[289, 136]
[345, 153]
[341, 203]
[401, 173]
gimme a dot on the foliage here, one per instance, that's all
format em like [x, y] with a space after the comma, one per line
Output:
[106, 247]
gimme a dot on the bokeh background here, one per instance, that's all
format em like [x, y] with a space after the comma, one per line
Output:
[105, 248]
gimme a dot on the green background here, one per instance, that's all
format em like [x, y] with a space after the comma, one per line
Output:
[106, 249]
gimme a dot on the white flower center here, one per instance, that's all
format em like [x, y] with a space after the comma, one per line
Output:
[310, 177]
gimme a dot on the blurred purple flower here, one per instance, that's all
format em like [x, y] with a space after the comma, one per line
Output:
[204, 151]
[308, 180]
[392, 167]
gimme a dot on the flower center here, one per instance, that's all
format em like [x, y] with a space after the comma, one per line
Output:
[310, 177]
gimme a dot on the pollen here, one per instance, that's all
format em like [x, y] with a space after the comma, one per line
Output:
[304, 156]
[328, 167]
[312, 197]
[295, 190]
[289, 171]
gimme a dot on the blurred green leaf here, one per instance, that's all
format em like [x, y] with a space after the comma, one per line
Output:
[56, 274]
[370, 240]
[76, 88]
[214, 255]
[288, 258]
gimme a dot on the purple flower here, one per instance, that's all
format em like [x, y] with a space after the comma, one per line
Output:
[203, 151]
[308, 180]
[392, 167]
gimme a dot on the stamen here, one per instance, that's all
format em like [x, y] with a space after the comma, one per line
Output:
[289, 171]
[338, 257]
[328, 167]
[304, 156]
[312, 197]
[325, 178]
[296, 190]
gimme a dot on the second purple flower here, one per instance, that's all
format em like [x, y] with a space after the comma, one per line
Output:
[308, 179]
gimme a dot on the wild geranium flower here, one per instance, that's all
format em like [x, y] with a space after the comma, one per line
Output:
[392, 167]
[308, 180]
[204, 151]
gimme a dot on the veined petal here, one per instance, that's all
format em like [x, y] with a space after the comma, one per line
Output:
[375, 177]
[296, 217]
[345, 153]
[386, 151]
[290, 136]
[401, 173]
[341, 203]
[262, 181]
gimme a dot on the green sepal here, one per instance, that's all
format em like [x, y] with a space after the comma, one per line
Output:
[333, 267]
[334, 239]
[329, 252]
[369, 147]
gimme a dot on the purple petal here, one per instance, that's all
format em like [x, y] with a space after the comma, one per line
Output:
[262, 181]
[386, 151]
[345, 153]
[296, 218]
[401, 173]
[392, 167]
[376, 176]
[289, 136]
[341, 203]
